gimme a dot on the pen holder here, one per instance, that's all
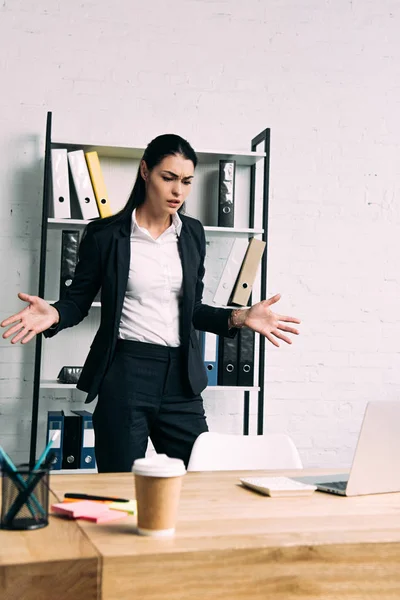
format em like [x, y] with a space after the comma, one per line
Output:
[25, 499]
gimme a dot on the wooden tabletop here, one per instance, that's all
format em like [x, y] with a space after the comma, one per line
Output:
[230, 543]
[234, 543]
[34, 564]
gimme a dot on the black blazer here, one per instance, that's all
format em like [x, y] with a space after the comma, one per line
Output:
[104, 259]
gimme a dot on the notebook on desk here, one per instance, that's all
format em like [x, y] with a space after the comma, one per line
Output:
[375, 467]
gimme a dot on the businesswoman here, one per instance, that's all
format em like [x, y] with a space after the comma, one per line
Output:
[144, 364]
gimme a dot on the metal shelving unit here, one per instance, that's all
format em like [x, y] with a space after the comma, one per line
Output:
[248, 159]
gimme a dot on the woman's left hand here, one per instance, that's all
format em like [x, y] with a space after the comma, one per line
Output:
[261, 319]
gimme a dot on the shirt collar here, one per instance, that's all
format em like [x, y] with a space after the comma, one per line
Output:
[176, 222]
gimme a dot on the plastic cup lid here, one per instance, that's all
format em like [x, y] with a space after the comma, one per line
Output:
[159, 465]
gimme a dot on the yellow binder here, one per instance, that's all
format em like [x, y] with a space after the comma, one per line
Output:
[99, 186]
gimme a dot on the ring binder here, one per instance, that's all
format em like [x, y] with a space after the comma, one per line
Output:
[248, 272]
[231, 271]
[55, 422]
[71, 443]
[99, 186]
[83, 184]
[228, 356]
[209, 348]
[226, 195]
[246, 357]
[87, 455]
[69, 259]
[60, 184]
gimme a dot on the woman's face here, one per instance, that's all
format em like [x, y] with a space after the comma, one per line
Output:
[168, 183]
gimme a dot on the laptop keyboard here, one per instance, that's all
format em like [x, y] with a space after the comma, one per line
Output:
[339, 485]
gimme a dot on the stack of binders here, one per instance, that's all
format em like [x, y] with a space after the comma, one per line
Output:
[236, 359]
[74, 448]
[228, 361]
[88, 180]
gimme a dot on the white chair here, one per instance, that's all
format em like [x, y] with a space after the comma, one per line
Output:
[225, 452]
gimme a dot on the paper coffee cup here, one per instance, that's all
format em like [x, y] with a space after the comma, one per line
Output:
[158, 481]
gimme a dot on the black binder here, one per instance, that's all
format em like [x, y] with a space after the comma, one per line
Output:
[228, 361]
[226, 193]
[87, 459]
[69, 258]
[246, 357]
[71, 454]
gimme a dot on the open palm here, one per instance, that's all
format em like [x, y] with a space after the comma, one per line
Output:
[263, 320]
[31, 320]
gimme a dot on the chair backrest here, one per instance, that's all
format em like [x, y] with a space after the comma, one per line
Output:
[225, 452]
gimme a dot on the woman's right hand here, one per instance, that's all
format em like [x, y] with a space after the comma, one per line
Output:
[38, 316]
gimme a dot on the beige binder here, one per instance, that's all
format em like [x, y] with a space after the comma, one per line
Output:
[244, 284]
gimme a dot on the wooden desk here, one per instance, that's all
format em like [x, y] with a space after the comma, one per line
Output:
[56, 562]
[233, 543]
[230, 543]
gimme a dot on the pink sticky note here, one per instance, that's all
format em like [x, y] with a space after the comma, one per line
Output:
[109, 515]
[85, 508]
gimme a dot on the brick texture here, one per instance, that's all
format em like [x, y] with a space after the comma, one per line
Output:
[324, 76]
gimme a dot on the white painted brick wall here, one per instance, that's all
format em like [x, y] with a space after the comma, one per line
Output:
[324, 76]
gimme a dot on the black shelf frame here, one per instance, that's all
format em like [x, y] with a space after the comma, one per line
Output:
[262, 138]
[42, 274]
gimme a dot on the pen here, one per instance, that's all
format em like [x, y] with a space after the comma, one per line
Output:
[92, 497]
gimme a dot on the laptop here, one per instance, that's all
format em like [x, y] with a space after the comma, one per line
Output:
[375, 468]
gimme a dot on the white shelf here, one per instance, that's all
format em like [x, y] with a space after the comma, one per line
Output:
[235, 230]
[66, 222]
[207, 228]
[241, 157]
[231, 388]
[53, 384]
[73, 471]
[204, 156]
[102, 150]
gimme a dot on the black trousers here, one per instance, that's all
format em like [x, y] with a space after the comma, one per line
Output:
[145, 393]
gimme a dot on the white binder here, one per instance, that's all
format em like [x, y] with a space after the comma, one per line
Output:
[83, 184]
[60, 183]
[231, 271]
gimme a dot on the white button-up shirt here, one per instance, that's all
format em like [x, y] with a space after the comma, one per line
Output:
[150, 312]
